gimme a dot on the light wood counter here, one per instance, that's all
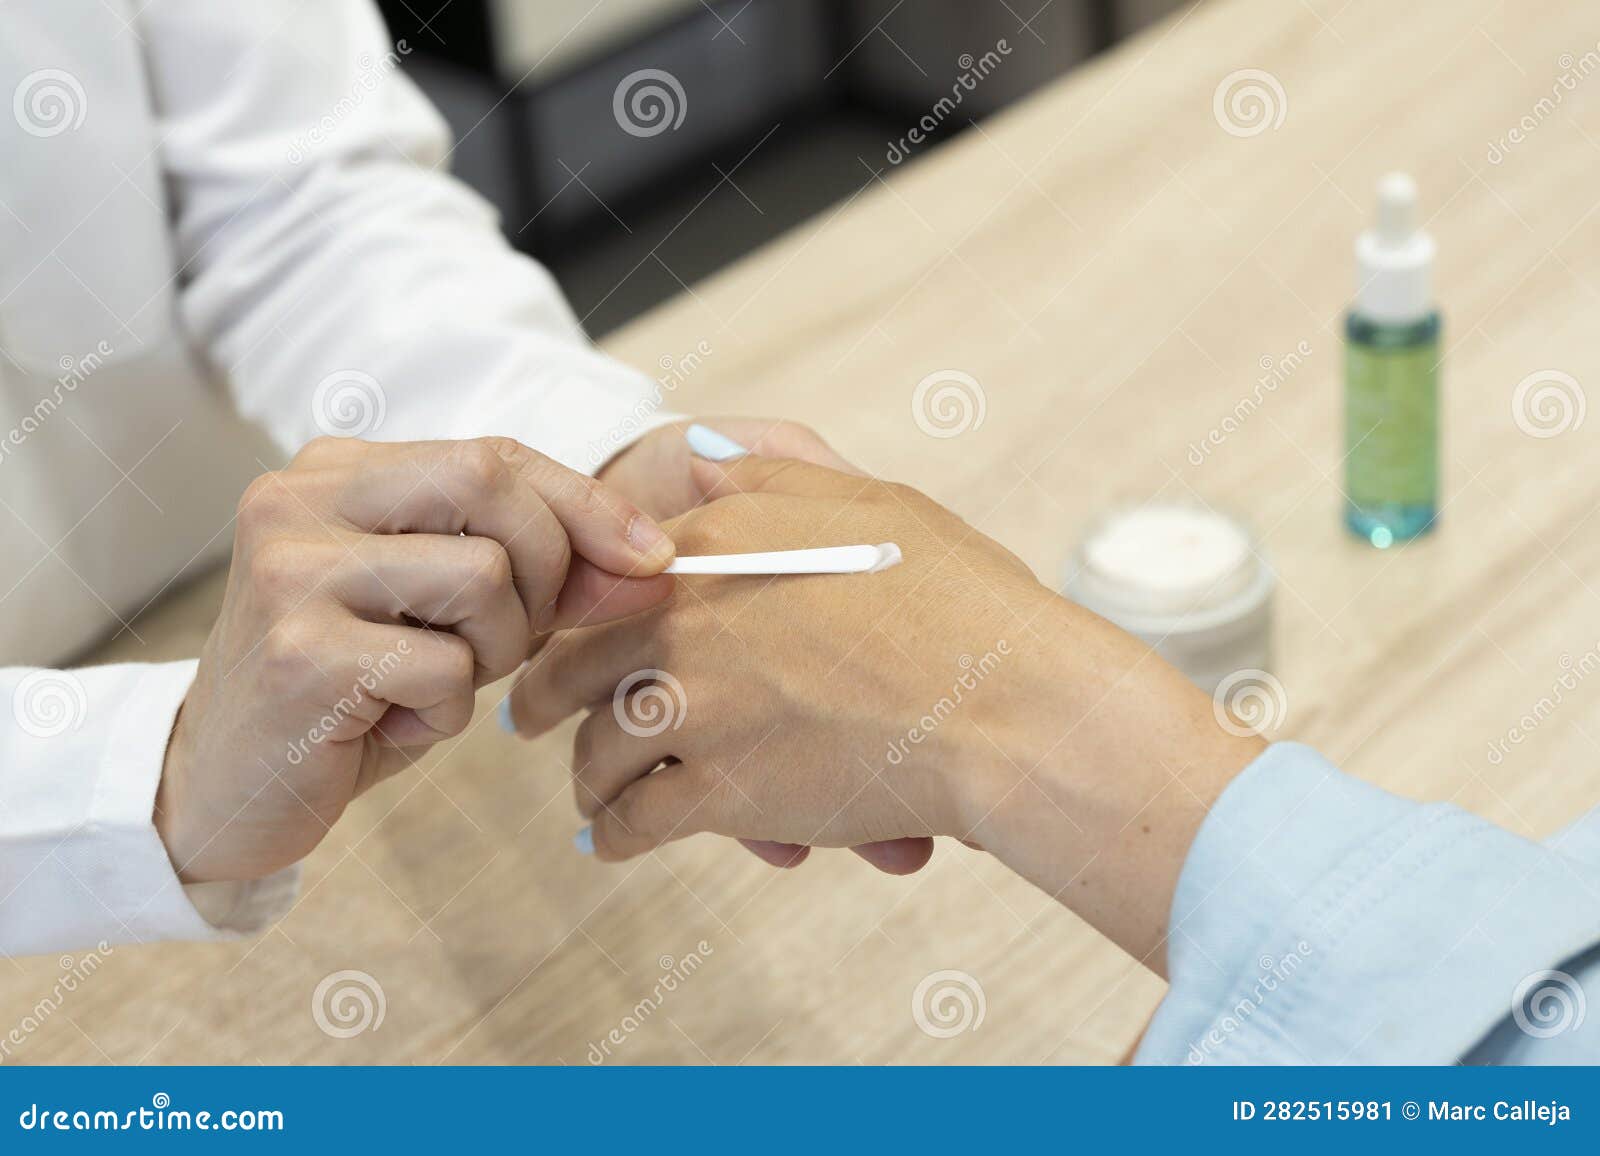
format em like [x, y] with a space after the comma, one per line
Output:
[1113, 268]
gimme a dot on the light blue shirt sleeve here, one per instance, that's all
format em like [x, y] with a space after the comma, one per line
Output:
[1321, 920]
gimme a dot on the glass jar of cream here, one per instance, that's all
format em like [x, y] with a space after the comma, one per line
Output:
[1187, 580]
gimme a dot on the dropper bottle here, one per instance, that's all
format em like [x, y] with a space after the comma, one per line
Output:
[1392, 376]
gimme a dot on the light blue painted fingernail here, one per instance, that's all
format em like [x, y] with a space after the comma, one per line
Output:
[584, 841]
[506, 724]
[705, 442]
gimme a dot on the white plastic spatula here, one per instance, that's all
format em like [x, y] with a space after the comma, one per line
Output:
[827, 560]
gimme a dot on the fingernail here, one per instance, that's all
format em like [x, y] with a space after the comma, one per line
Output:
[506, 723]
[547, 618]
[584, 841]
[650, 540]
[705, 442]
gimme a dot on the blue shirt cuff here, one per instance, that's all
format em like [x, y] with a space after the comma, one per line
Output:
[1319, 919]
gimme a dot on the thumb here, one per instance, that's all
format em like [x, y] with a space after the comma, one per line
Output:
[601, 525]
[753, 474]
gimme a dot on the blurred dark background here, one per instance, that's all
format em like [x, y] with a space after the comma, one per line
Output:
[786, 107]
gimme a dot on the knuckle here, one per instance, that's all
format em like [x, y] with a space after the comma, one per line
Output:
[550, 564]
[457, 662]
[707, 530]
[589, 496]
[489, 565]
[286, 652]
[317, 451]
[278, 568]
[260, 504]
[509, 450]
[583, 745]
[478, 466]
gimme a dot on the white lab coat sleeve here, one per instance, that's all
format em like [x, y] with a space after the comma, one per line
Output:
[333, 272]
[1320, 920]
[81, 863]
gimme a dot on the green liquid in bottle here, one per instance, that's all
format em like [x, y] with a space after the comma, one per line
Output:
[1391, 421]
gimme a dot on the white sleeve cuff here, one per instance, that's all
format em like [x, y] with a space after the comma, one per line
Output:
[572, 403]
[78, 846]
[1320, 920]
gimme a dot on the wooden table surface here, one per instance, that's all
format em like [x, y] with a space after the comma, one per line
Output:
[1113, 267]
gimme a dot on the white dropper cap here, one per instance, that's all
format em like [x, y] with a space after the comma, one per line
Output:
[1394, 259]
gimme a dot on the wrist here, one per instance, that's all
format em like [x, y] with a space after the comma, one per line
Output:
[1108, 762]
[170, 802]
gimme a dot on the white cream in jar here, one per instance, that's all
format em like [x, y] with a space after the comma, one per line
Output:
[1187, 580]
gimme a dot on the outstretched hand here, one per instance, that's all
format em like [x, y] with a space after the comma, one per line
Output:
[655, 473]
[828, 710]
